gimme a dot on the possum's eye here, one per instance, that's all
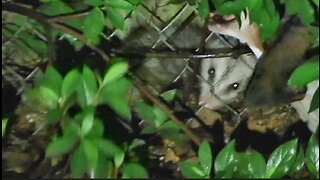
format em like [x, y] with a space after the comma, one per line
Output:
[211, 71]
[234, 86]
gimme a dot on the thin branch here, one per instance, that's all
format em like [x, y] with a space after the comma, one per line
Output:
[44, 19]
[146, 92]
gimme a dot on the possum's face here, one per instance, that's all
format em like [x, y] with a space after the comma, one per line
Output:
[226, 79]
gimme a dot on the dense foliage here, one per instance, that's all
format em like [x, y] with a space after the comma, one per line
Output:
[73, 99]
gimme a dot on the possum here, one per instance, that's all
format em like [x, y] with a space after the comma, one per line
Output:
[160, 73]
[231, 28]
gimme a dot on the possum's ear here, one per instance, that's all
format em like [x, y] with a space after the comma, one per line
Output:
[246, 32]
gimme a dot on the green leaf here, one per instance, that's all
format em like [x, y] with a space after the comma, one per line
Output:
[93, 25]
[303, 9]
[173, 134]
[89, 87]
[60, 146]
[170, 125]
[115, 18]
[55, 8]
[96, 130]
[53, 116]
[51, 98]
[135, 2]
[78, 163]
[108, 147]
[146, 113]
[91, 152]
[231, 7]
[52, 79]
[120, 4]
[250, 165]
[191, 169]
[224, 164]
[315, 101]
[149, 130]
[104, 168]
[95, 3]
[282, 159]
[69, 84]
[4, 125]
[316, 2]
[312, 156]
[118, 158]
[136, 143]
[169, 95]
[134, 170]
[72, 130]
[87, 122]
[205, 157]
[161, 116]
[305, 73]
[116, 94]
[203, 9]
[298, 163]
[115, 72]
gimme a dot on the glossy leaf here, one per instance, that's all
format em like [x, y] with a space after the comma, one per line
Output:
[305, 73]
[312, 156]
[115, 18]
[170, 125]
[161, 116]
[191, 170]
[315, 101]
[104, 168]
[118, 158]
[70, 84]
[87, 122]
[72, 130]
[146, 113]
[250, 165]
[91, 151]
[52, 79]
[282, 159]
[134, 170]
[53, 116]
[4, 125]
[93, 25]
[60, 146]
[94, 2]
[96, 130]
[169, 95]
[203, 9]
[89, 84]
[231, 7]
[55, 8]
[116, 95]
[115, 72]
[224, 164]
[205, 157]
[108, 147]
[120, 4]
[51, 98]
[304, 10]
[78, 163]
[298, 163]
